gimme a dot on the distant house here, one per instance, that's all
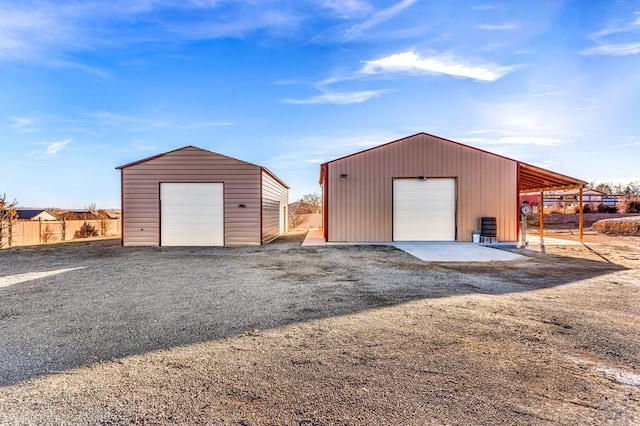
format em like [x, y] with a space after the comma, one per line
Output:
[112, 214]
[35, 214]
[569, 198]
[77, 215]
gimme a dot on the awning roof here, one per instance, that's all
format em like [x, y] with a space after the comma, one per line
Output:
[536, 179]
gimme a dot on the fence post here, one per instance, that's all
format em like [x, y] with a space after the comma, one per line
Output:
[39, 230]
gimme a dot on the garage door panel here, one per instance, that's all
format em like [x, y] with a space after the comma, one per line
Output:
[424, 210]
[192, 214]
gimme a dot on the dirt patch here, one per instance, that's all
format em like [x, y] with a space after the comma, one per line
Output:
[319, 336]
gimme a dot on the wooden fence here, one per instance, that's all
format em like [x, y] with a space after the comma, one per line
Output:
[28, 233]
[306, 221]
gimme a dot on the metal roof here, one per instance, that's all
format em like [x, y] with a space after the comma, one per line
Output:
[530, 178]
[153, 157]
[535, 179]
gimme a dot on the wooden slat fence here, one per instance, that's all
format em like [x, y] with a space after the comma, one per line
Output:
[27, 233]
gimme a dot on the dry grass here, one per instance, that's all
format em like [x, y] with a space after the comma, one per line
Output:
[621, 226]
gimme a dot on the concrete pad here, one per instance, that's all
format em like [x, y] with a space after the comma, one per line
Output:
[429, 251]
[315, 237]
[450, 251]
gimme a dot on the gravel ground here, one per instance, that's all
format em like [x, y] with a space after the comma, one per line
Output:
[317, 336]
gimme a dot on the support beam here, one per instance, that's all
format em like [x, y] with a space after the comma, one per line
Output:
[541, 213]
[581, 214]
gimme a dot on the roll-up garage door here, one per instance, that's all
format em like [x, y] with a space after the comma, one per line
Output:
[191, 214]
[424, 209]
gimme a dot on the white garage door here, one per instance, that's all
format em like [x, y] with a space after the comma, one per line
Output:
[191, 214]
[424, 210]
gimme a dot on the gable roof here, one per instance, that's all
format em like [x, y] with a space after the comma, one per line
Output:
[530, 178]
[31, 213]
[206, 151]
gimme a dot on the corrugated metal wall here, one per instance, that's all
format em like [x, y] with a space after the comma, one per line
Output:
[273, 222]
[360, 207]
[141, 197]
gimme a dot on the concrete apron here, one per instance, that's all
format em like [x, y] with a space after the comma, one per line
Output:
[451, 251]
[430, 251]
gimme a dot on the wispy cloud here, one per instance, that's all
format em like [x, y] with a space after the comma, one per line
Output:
[411, 63]
[502, 137]
[587, 103]
[483, 7]
[347, 9]
[497, 27]
[25, 124]
[626, 44]
[629, 141]
[626, 145]
[547, 91]
[343, 98]
[54, 147]
[376, 19]
[286, 82]
[144, 147]
[202, 124]
[394, 66]
[51, 33]
[614, 49]
[110, 119]
[318, 149]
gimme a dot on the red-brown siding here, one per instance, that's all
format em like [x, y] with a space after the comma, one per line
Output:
[360, 208]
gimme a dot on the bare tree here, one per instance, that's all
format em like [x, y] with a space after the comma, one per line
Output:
[309, 203]
[47, 235]
[100, 215]
[8, 215]
[295, 219]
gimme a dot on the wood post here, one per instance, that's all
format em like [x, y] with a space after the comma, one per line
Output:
[541, 213]
[581, 214]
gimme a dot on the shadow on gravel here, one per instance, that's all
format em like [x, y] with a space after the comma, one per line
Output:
[127, 301]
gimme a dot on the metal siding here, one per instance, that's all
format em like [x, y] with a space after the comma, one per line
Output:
[141, 185]
[274, 190]
[360, 208]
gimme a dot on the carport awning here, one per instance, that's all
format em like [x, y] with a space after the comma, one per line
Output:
[536, 179]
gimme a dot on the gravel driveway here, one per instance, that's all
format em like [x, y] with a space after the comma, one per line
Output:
[113, 313]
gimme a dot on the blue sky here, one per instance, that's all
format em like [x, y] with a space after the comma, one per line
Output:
[89, 85]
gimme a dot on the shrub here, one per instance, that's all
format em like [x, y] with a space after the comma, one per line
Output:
[603, 208]
[633, 207]
[86, 231]
[586, 208]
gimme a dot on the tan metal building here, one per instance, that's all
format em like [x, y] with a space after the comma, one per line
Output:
[195, 197]
[426, 188]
